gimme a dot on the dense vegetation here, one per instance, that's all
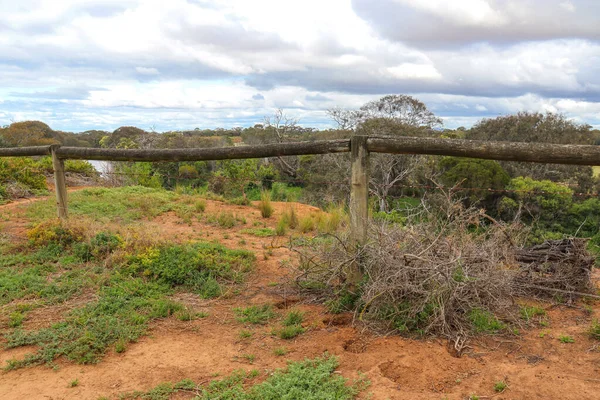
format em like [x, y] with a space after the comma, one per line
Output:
[548, 201]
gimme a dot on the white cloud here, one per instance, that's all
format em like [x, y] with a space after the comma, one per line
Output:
[190, 62]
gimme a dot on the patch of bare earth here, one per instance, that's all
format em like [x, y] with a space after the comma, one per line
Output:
[534, 367]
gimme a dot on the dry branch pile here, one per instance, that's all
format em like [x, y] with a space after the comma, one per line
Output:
[564, 265]
[431, 276]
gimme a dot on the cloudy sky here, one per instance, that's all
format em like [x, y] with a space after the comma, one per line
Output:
[100, 64]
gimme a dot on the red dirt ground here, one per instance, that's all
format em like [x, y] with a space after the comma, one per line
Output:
[534, 367]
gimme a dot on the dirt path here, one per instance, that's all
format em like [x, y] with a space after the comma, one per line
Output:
[534, 364]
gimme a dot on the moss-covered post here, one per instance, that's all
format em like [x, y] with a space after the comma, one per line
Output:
[60, 185]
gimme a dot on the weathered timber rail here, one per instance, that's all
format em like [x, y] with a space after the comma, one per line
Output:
[358, 146]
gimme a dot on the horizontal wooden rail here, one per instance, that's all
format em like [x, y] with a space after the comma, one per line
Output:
[206, 154]
[502, 151]
[25, 151]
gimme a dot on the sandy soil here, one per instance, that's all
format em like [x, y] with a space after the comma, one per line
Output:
[534, 364]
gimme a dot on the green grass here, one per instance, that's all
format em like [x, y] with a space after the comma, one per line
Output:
[294, 317]
[42, 275]
[529, 312]
[124, 204]
[249, 357]
[484, 321]
[280, 351]
[128, 296]
[245, 334]
[124, 307]
[307, 380]
[255, 314]
[261, 232]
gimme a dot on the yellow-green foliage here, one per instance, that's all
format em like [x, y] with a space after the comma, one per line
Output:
[22, 172]
[265, 206]
[306, 224]
[54, 231]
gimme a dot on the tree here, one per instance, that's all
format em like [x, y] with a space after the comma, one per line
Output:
[476, 175]
[539, 128]
[392, 115]
[400, 108]
[28, 133]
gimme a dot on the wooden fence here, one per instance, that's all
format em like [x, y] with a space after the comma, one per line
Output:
[358, 146]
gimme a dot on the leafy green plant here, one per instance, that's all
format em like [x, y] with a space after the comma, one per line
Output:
[566, 339]
[308, 380]
[249, 357]
[500, 386]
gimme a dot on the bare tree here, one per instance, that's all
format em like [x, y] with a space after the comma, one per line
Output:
[282, 126]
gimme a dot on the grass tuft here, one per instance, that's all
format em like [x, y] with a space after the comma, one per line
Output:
[255, 314]
[265, 206]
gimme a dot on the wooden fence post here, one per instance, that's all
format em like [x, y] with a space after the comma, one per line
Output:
[359, 198]
[60, 185]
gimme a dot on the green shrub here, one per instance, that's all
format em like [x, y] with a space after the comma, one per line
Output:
[197, 266]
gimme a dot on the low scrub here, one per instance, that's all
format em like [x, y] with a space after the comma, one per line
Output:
[309, 380]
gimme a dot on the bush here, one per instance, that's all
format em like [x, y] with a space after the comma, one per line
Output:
[198, 266]
[474, 173]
